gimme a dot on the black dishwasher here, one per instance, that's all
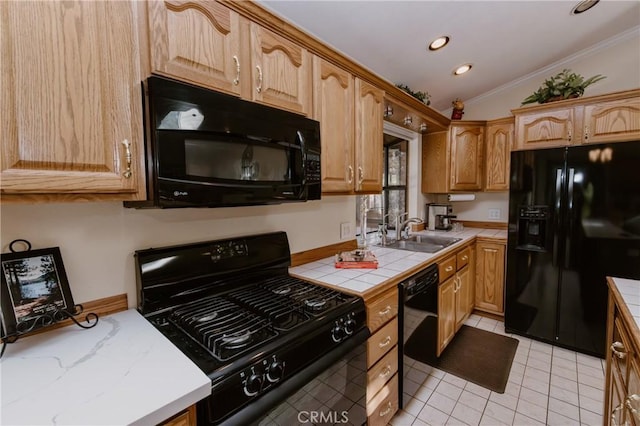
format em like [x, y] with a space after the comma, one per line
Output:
[418, 299]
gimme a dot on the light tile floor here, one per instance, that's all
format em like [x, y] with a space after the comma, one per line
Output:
[547, 385]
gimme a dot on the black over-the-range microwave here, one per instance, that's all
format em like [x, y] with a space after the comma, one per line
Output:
[208, 149]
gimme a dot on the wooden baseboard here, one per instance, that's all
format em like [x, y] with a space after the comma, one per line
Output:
[100, 307]
[322, 252]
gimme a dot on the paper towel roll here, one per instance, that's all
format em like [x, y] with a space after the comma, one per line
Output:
[462, 197]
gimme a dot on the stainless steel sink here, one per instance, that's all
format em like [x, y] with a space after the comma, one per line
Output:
[424, 243]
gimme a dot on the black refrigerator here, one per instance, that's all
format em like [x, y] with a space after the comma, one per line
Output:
[574, 218]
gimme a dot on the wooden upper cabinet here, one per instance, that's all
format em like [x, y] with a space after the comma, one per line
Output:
[71, 100]
[369, 105]
[333, 95]
[197, 42]
[281, 71]
[498, 148]
[613, 121]
[614, 117]
[435, 163]
[467, 143]
[545, 129]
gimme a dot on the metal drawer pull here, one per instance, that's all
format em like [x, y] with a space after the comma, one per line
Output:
[386, 371]
[465, 257]
[386, 410]
[236, 80]
[614, 348]
[385, 342]
[259, 86]
[448, 269]
[385, 311]
[127, 153]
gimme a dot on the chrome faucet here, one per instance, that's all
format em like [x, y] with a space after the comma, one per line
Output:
[402, 228]
[383, 228]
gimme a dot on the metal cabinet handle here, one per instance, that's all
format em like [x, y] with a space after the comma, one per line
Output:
[385, 342]
[385, 372]
[619, 353]
[465, 257]
[350, 174]
[586, 132]
[448, 269]
[236, 80]
[386, 410]
[569, 132]
[385, 311]
[360, 175]
[259, 86]
[127, 153]
[614, 422]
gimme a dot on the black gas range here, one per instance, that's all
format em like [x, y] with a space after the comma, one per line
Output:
[258, 333]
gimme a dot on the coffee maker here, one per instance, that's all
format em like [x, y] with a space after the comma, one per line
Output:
[439, 216]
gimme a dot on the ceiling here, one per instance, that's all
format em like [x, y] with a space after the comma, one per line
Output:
[504, 40]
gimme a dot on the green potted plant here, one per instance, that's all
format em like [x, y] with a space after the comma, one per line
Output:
[423, 97]
[564, 85]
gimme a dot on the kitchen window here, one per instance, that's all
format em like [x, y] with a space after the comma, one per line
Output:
[372, 209]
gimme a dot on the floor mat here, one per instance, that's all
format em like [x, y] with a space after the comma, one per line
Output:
[475, 355]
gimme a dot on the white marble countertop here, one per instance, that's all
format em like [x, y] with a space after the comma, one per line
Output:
[122, 371]
[630, 292]
[392, 263]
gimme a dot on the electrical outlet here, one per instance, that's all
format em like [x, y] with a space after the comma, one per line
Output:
[494, 213]
[345, 230]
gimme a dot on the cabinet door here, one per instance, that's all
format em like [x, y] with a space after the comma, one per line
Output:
[466, 157]
[490, 277]
[71, 100]
[333, 97]
[197, 42]
[614, 121]
[446, 313]
[369, 104]
[545, 129]
[435, 163]
[498, 153]
[463, 278]
[281, 71]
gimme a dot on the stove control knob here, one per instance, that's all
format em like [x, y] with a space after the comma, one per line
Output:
[337, 333]
[276, 370]
[349, 326]
[253, 384]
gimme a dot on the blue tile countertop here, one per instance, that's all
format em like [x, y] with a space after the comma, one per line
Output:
[393, 265]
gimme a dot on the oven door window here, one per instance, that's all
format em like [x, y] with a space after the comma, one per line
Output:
[229, 160]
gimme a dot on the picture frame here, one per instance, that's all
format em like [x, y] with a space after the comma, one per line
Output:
[35, 291]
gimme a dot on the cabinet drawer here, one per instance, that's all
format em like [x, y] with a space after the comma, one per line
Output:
[381, 342]
[185, 418]
[447, 268]
[462, 257]
[381, 310]
[384, 405]
[381, 372]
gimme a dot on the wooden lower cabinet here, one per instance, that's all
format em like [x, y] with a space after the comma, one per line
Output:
[382, 358]
[622, 379]
[489, 279]
[455, 301]
[183, 418]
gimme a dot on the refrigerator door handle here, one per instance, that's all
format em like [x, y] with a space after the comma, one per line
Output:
[557, 214]
[567, 247]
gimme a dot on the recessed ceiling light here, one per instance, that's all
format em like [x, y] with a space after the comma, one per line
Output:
[462, 69]
[439, 43]
[583, 6]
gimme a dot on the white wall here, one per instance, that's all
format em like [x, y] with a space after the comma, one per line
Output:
[97, 240]
[618, 59]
